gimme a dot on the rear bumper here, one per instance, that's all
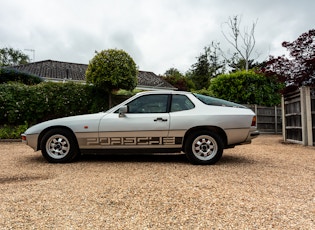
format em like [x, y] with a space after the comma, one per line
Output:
[254, 134]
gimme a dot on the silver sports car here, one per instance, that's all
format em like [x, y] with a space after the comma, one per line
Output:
[155, 121]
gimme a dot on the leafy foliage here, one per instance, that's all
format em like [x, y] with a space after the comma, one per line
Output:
[112, 70]
[240, 64]
[11, 75]
[11, 57]
[33, 104]
[299, 68]
[178, 80]
[12, 132]
[203, 92]
[246, 87]
[208, 66]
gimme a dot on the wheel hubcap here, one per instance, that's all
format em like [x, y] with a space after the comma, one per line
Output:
[57, 146]
[205, 147]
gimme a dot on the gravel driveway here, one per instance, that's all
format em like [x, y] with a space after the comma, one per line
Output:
[265, 185]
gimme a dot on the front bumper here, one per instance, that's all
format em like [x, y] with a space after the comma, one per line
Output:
[30, 140]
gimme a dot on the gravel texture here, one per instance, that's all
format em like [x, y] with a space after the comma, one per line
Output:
[265, 185]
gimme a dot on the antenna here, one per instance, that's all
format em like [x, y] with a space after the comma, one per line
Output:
[33, 51]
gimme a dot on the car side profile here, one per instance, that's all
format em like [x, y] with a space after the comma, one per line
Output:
[155, 121]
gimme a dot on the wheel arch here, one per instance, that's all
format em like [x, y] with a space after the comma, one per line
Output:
[41, 135]
[214, 129]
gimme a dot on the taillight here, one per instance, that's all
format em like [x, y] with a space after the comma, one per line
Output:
[254, 121]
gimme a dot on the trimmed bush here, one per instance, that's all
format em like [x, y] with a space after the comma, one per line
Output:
[247, 87]
[12, 75]
[32, 104]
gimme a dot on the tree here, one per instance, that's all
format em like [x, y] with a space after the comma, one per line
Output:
[299, 68]
[178, 80]
[112, 69]
[247, 87]
[242, 42]
[208, 66]
[12, 57]
[240, 64]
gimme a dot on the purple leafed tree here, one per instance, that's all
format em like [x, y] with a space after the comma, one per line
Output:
[299, 68]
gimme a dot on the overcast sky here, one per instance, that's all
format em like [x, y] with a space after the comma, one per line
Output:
[158, 34]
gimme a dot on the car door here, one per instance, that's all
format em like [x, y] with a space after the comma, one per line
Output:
[144, 125]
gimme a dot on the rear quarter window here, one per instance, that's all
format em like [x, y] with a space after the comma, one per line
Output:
[216, 101]
[181, 103]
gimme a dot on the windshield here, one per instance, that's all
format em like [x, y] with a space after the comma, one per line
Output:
[215, 101]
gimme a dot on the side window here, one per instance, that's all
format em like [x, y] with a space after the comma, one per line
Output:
[180, 103]
[149, 104]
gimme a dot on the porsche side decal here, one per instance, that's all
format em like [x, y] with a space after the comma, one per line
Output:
[107, 141]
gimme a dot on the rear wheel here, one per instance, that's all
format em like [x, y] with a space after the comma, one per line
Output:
[204, 147]
[59, 146]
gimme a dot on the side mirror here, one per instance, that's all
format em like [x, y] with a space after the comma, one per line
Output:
[123, 110]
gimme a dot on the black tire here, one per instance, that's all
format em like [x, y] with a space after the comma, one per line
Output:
[59, 146]
[204, 148]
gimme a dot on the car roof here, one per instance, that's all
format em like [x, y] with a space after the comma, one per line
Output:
[163, 92]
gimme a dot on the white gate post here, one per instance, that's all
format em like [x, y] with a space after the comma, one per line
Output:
[308, 112]
[303, 116]
[306, 116]
[284, 131]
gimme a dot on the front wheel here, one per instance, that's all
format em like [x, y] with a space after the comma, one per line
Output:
[59, 146]
[204, 147]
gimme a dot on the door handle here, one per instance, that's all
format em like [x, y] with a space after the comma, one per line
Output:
[160, 119]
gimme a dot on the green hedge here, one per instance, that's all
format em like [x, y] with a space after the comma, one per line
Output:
[32, 104]
[12, 75]
[247, 87]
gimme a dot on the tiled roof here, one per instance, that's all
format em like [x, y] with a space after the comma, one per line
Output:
[55, 70]
[151, 80]
[59, 71]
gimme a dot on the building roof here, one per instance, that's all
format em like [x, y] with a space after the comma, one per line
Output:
[66, 71]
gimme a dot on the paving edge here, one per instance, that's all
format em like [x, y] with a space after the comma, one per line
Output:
[10, 140]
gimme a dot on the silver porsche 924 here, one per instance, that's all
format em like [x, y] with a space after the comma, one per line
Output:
[155, 121]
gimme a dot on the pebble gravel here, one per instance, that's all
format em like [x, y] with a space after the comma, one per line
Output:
[266, 185]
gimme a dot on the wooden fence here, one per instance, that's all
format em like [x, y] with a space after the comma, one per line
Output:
[268, 118]
[298, 116]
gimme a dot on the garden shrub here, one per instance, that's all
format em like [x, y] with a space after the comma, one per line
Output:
[12, 132]
[247, 87]
[20, 103]
[12, 75]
